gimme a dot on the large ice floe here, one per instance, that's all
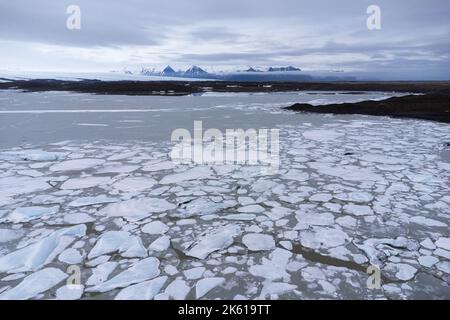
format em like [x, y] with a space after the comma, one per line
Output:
[349, 194]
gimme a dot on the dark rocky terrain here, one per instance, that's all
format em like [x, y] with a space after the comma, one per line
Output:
[434, 107]
[185, 87]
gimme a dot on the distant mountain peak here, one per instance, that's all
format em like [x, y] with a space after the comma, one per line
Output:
[195, 70]
[251, 69]
[167, 70]
[283, 69]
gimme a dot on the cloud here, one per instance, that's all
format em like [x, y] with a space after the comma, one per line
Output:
[319, 34]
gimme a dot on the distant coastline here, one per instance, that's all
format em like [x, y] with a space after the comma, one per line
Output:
[180, 88]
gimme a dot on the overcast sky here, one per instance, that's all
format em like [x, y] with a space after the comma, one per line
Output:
[413, 43]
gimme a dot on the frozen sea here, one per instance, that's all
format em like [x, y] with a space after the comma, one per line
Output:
[92, 207]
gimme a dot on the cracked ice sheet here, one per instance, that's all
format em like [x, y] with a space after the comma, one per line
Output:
[343, 197]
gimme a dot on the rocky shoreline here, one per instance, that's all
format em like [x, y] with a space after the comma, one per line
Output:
[435, 107]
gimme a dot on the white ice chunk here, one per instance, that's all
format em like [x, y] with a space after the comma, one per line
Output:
[41, 252]
[216, 240]
[405, 271]
[160, 166]
[119, 168]
[253, 208]
[276, 288]
[160, 244]
[7, 235]
[101, 273]
[443, 243]
[31, 155]
[88, 201]
[427, 221]
[196, 173]
[205, 206]
[321, 237]
[77, 218]
[135, 184]
[322, 135]
[205, 285]
[70, 292]
[76, 165]
[25, 214]
[118, 241]
[258, 242]
[35, 284]
[70, 256]
[358, 210]
[155, 227]
[14, 186]
[177, 289]
[137, 208]
[141, 271]
[84, 183]
[428, 261]
[194, 273]
[142, 291]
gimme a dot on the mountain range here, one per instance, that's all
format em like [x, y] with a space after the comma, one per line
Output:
[288, 73]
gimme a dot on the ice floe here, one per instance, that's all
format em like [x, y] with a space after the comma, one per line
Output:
[41, 252]
[258, 242]
[35, 284]
[139, 272]
[216, 240]
[146, 290]
[118, 241]
[137, 208]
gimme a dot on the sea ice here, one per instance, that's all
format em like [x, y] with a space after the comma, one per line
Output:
[137, 209]
[34, 284]
[322, 237]
[76, 165]
[118, 241]
[14, 186]
[196, 173]
[88, 201]
[258, 242]
[194, 273]
[141, 271]
[160, 244]
[31, 155]
[427, 221]
[443, 243]
[177, 289]
[155, 227]
[7, 235]
[205, 285]
[84, 183]
[101, 273]
[41, 252]
[358, 210]
[216, 240]
[25, 214]
[428, 261]
[71, 256]
[135, 184]
[146, 290]
[70, 292]
[322, 135]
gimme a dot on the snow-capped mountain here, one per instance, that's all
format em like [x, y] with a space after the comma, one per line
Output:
[195, 71]
[168, 71]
